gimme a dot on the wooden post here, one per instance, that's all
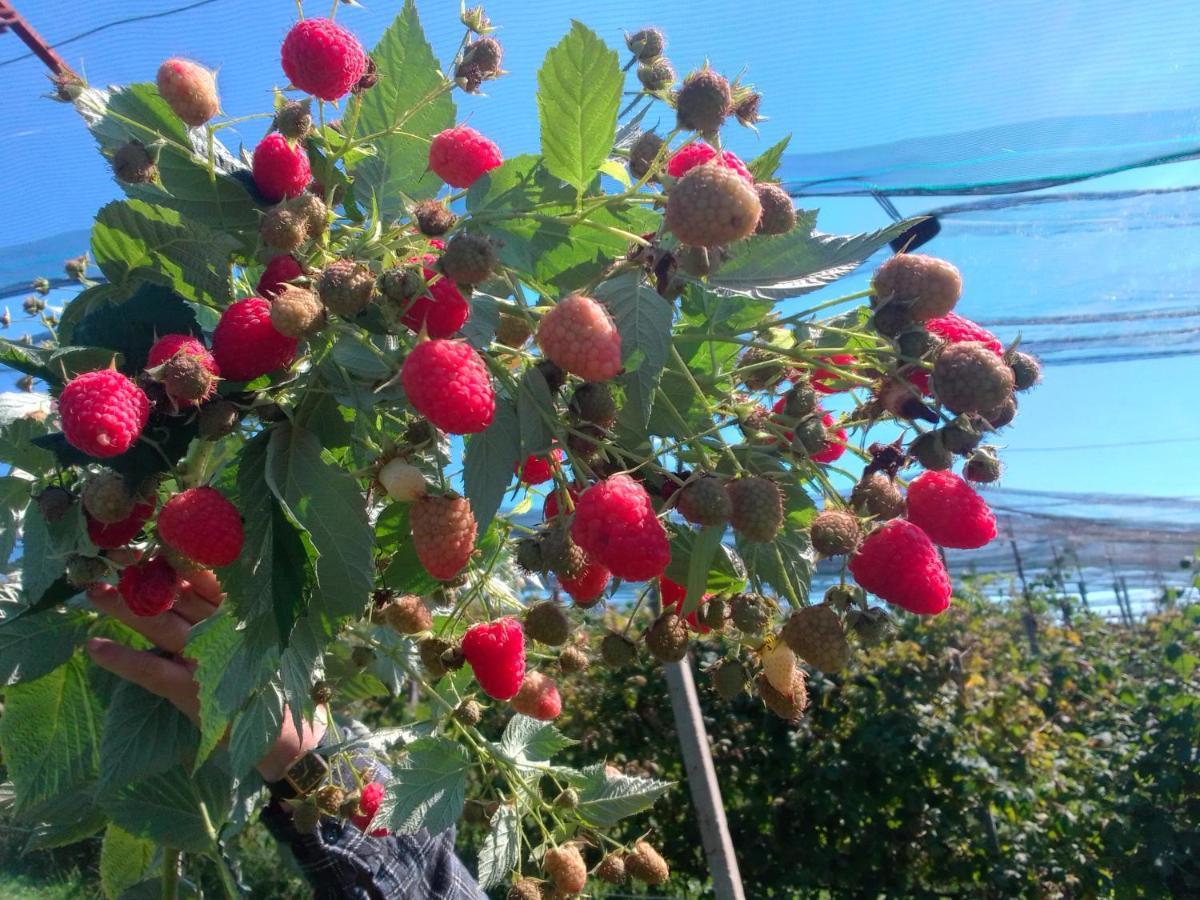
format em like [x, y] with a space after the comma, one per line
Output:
[702, 781]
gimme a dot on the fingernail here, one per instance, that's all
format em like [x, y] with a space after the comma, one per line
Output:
[96, 646]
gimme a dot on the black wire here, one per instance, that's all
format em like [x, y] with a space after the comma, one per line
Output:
[113, 24]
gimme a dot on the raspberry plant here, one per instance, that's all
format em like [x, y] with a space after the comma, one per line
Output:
[322, 365]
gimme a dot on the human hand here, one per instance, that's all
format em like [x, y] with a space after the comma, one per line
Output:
[172, 677]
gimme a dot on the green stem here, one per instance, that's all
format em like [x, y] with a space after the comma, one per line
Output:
[227, 880]
[170, 873]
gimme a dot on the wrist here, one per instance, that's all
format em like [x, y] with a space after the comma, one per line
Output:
[290, 746]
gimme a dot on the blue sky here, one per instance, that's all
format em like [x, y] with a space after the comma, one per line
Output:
[835, 75]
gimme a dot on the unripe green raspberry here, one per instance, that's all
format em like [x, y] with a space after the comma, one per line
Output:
[930, 286]
[810, 436]
[548, 624]
[646, 864]
[656, 75]
[407, 615]
[313, 211]
[306, 816]
[297, 312]
[703, 102]
[968, 377]
[1003, 414]
[433, 218]
[870, 626]
[786, 706]
[573, 660]
[346, 287]
[712, 613]
[778, 214]
[53, 503]
[469, 712]
[729, 678]
[321, 692]
[835, 532]
[82, 571]
[815, 635]
[217, 419]
[107, 498]
[646, 43]
[643, 153]
[133, 164]
[329, 798]
[617, 651]
[750, 613]
[756, 508]
[513, 330]
[1027, 371]
[983, 466]
[469, 259]
[611, 869]
[878, 496]
[961, 435]
[800, 400]
[432, 650]
[283, 228]
[294, 119]
[931, 451]
[711, 206]
[704, 501]
[593, 402]
[760, 369]
[917, 343]
[667, 638]
[525, 889]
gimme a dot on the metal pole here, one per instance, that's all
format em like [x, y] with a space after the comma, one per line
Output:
[702, 781]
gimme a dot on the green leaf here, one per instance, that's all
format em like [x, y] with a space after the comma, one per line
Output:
[326, 501]
[256, 729]
[787, 563]
[528, 741]
[501, 847]
[133, 241]
[270, 580]
[488, 462]
[535, 407]
[42, 560]
[764, 166]
[144, 734]
[124, 859]
[50, 735]
[76, 819]
[229, 669]
[131, 327]
[798, 262]
[605, 799]
[643, 319]
[411, 102]
[704, 552]
[480, 328]
[428, 788]
[35, 644]
[579, 92]
[17, 449]
[53, 365]
[217, 199]
[167, 807]
[394, 536]
[726, 571]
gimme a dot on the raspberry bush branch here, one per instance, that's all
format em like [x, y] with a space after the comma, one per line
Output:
[322, 373]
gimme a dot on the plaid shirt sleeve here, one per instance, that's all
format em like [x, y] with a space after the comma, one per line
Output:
[343, 863]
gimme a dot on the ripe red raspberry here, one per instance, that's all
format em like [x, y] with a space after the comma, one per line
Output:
[950, 511]
[443, 310]
[246, 345]
[103, 413]
[538, 469]
[279, 271]
[899, 563]
[322, 58]
[190, 373]
[826, 381]
[712, 206]
[673, 596]
[689, 156]
[538, 698]
[460, 156]
[118, 534]
[579, 336]
[586, 587]
[202, 525]
[955, 329]
[368, 804]
[550, 506]
[616, 526]
[496, 653]
[189, 89]
[280, 168]
[443, 530]
[447, 383]
[149, 587]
